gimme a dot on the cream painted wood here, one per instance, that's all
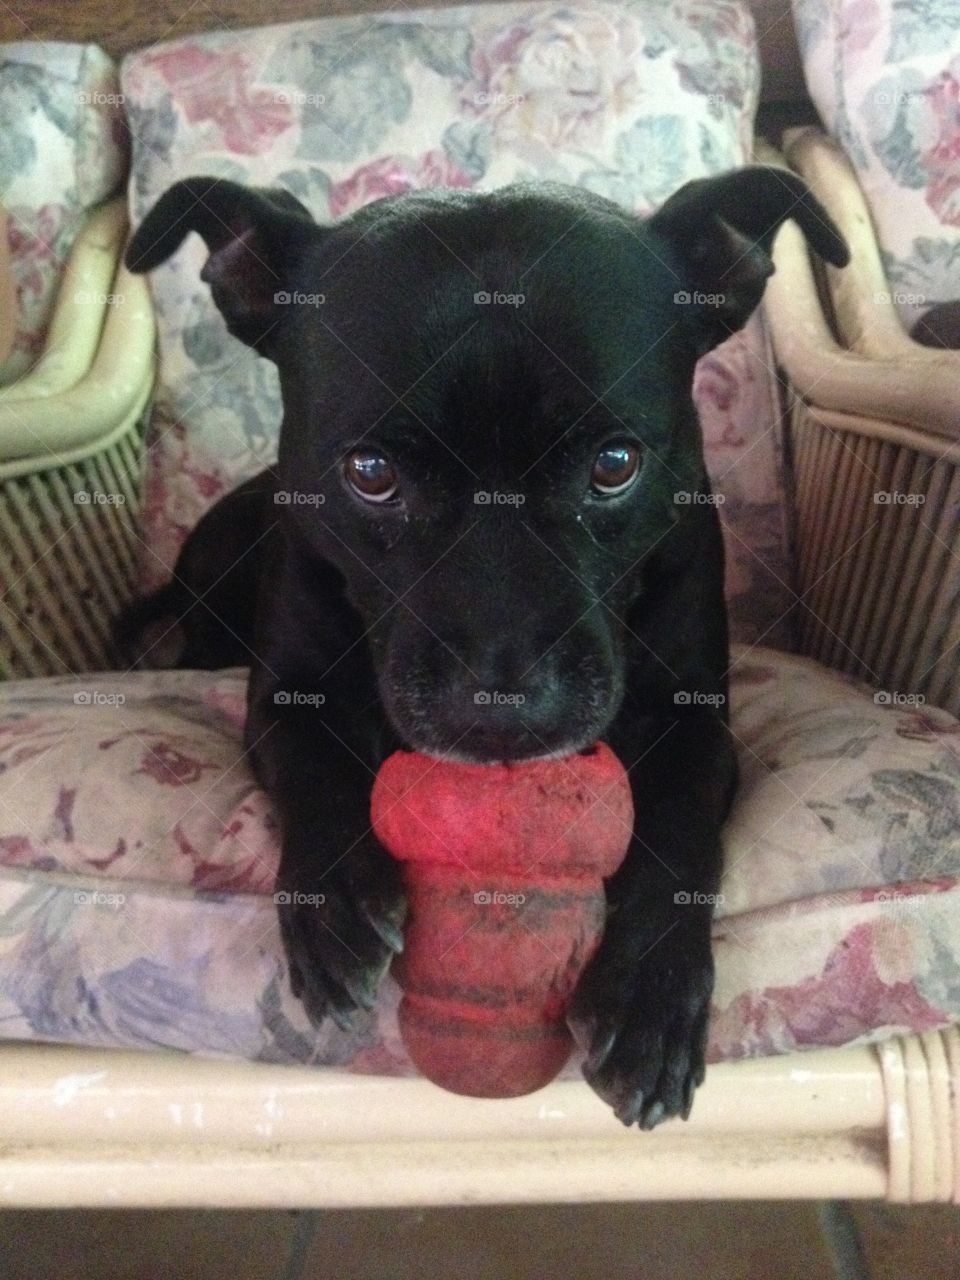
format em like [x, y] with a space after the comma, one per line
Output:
[68, 563]
[78, 315]
[872, 367]
[100, 1128]
[65, 425]
[165, 1129]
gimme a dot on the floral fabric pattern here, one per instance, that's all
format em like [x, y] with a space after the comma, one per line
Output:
[627, 99]
[885, 77]
[62, 151]
[137, 860]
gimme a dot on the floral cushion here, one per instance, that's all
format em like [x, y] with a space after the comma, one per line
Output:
[62, 151]
[628, 99]
[885, 77]
[137, 860]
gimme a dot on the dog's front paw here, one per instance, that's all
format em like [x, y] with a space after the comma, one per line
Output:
[640, 1012]
[340, 931]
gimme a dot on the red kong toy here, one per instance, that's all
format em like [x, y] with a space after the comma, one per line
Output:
[504, 868]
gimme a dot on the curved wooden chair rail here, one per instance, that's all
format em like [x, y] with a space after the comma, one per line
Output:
[90, 1127]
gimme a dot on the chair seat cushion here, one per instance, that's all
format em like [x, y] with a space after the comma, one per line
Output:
[137, 859]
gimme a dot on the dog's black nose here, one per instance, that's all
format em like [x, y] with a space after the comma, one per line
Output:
[507, 701]
[504, 691]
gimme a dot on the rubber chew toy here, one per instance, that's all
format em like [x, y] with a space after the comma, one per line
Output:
[503, 867]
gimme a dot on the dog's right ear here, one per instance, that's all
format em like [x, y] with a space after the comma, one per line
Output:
[254, 238]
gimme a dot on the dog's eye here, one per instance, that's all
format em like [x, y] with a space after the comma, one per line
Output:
[616, 467]
[371, 475]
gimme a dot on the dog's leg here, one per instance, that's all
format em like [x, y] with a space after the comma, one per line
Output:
[641, 1007]
[317, 734]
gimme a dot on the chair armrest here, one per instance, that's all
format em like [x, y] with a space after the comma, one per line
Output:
[85, 1127]
[80, 309]
[874, 450]
[874, 369]
[861, 297]
[117, 384]
[70, 494]
[136, 1129]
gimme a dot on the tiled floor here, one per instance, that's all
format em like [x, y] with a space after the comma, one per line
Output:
[711, 1241]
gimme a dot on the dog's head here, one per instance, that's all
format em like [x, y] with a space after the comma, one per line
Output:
[487, 414]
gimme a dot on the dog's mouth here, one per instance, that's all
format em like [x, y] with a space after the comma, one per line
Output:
[493, 755]
[488, 744]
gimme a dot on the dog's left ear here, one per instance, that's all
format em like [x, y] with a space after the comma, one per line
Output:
[721, 231]
[254, 237]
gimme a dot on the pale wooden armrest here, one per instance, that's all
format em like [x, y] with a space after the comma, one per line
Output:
[70, 482]
[56, 427]
[875, 451]
[80, 308]
[885, 375]
[861, 296]
[84, 1127]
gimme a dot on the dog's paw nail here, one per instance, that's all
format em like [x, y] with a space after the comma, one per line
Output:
[653, 1115]
[689, 1090]
[600, 1050]
[361, 990]
[346, 1019]
[386, 930]
[628, 1113]
[296, 980]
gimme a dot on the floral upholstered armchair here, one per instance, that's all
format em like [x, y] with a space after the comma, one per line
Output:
[137, 856]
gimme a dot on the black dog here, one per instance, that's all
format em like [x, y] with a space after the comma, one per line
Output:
[485, 423]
